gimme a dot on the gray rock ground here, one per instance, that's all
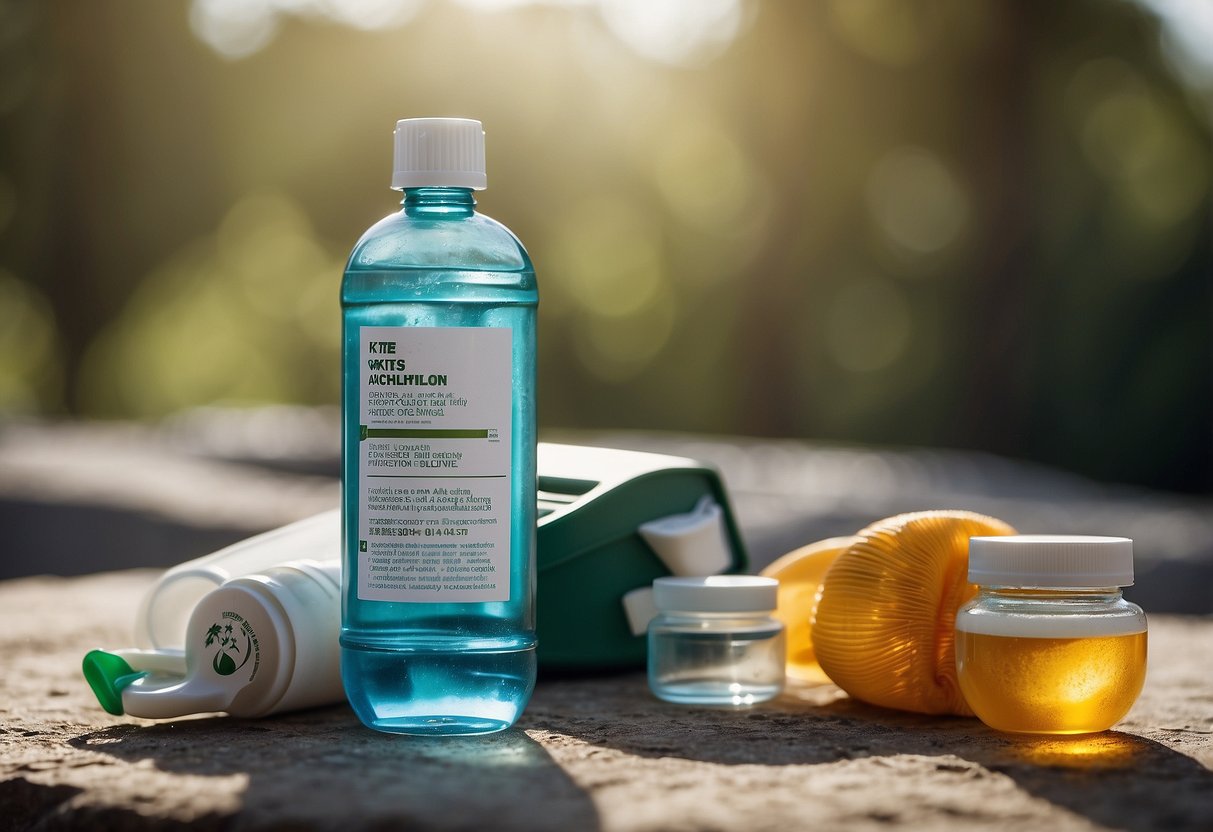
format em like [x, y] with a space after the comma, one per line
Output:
[590, 753]
[593, 753]
[87, 497]
[94, 496]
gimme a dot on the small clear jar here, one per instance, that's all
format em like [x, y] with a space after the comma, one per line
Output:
[715, 641]
[1049, 646]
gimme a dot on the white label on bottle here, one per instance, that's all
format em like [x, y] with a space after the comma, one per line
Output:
[434, 464]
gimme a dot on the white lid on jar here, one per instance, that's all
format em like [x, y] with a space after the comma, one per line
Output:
[716, 593]
[1051, 561]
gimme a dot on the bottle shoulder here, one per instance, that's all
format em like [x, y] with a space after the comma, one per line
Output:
[473, 242]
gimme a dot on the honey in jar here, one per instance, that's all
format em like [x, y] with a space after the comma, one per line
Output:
[1049, 645]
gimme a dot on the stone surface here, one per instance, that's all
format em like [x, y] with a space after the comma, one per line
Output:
[88, 497]
[100, 496]
[590, 753]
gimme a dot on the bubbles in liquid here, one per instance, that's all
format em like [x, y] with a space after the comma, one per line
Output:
[453, 692]
[1045, 685]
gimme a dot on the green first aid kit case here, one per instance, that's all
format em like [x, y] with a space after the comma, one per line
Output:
[610, 521]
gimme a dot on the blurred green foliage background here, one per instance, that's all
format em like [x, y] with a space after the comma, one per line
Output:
[964, 223]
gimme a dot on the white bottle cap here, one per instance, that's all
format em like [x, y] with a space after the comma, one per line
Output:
[1051, 561]
[716, 593]
[690, 544]
[439, 152]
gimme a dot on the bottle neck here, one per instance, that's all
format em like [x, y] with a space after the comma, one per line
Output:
[1018, 593]
[439, 203]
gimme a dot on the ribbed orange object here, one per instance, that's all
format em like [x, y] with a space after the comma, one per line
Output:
[800, 573]
[884, 629]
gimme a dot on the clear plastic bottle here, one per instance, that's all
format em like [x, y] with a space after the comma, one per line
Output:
[715, 641]
[1049, 645]
[439, 507]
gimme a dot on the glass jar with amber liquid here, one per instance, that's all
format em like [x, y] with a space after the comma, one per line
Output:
[1049, 646]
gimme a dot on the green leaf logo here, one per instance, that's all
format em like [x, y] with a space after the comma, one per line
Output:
[229, 655]
[224, 664]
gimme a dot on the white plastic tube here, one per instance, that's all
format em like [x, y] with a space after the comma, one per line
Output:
[164, 612]
[257, 645]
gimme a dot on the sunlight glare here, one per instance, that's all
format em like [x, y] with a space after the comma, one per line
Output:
[1187, 31]
[675, 32]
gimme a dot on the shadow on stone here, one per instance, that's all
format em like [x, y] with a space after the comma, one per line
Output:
[1114, 779]
[321, 769]
[31, 805]
[80, 539]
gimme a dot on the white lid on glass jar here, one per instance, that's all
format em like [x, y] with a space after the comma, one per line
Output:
[716, 593]
[1051, 561]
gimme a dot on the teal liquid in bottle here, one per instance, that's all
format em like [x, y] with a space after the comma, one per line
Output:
[439, 505]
